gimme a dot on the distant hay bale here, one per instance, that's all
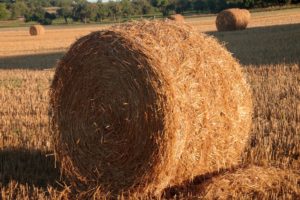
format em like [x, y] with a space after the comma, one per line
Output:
[132, 111]
[233, 19]
[177, 18]
[254, 183]
[37, 30]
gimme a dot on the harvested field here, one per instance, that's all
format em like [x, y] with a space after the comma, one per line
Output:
[17, 41]
[264, 45]
[275, 138]
[270, 58]
[248, 182]
[258, 19]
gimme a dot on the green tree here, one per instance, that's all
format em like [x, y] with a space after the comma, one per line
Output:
[126, 8]
[182, 5]
[65, 12]
[200, 5]
[18, 9]
[48, 18]
[61, 3]
[216, 5]
[65, 9]
[37, 3]
[101, 11]
[35, 14]
[114, 10]
[93, 9]
[39, 14]
[81, 11]
[162, 5]
[4, 13]
[142, 7]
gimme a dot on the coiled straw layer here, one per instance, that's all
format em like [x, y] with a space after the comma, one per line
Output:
[142, 106]
[36, 30]
[233, 19]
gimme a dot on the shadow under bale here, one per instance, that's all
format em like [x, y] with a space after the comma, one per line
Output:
[255, 46]
[28, 167]
[32, 61]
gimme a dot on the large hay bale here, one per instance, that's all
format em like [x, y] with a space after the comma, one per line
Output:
[233, 19]
[177, 18]
[254, 183]
[36, 30]
[145, 105]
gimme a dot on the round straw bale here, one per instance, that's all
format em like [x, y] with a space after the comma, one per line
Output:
[145, 105]
[253, 183]
[233, 19]
[177, 18]
[36, 30]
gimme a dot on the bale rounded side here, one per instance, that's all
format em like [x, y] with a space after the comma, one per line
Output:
[146, 105]
[233, 19]
[36, 30]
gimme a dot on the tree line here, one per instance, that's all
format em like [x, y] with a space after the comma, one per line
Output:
[45, 11]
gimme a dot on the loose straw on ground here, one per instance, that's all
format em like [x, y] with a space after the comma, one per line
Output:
[254, 183]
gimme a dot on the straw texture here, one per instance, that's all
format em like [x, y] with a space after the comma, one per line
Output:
[36, 30]
[254, 183]
[142, 106]
[233, 19]
[177, 18]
